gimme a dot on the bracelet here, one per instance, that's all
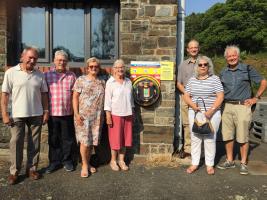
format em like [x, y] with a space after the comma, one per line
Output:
[46, 111]
[213, 108]
[258, 96]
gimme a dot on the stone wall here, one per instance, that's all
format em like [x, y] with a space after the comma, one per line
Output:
[148, 33]
[3, 33]
[4, 131]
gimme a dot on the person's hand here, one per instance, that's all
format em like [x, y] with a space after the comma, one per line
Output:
[45, 117]
[109, 121]
[195, 108]
[7, 120]
[209, 113]
[79, 120]
[250, 102]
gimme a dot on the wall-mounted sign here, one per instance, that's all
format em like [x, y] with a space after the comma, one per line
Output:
[166, 70]
[141, 68]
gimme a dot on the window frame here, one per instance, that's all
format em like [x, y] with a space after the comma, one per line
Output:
[87, 6]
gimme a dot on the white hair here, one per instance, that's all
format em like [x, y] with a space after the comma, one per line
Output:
[61, 53]
[207, 60]
[231, 47]
[93, 59]
[119, 61]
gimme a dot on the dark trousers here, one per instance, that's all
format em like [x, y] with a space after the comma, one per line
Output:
[61, 139]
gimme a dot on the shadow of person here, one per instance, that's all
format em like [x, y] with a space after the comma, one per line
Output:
[138, 127]
[102, 154]
[221, 152]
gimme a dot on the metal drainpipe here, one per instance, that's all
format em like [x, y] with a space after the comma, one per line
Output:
[177, 140]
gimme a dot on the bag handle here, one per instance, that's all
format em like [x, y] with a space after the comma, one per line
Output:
[202, 102]
[197, 105]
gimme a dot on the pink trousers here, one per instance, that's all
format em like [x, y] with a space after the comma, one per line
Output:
[120, 134]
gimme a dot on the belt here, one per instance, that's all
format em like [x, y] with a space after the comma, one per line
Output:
[235, 102]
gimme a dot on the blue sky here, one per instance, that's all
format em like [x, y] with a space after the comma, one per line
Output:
[199, 6]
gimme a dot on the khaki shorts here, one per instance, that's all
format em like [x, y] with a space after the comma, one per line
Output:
[236, 120]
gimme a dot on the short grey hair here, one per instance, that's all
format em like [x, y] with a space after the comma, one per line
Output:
[119, 61]
[61, 53]
[233, 47]
[197, 62]
[31, 48]
[93, 59]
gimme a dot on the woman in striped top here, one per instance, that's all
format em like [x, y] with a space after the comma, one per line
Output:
[209, 88]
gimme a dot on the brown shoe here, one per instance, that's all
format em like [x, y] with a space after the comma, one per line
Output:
[183, 154]
[34, 175]
[12, 179]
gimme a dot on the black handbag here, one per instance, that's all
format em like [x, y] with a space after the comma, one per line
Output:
[199, 127]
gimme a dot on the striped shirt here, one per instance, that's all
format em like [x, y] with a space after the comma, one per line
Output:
[60, 92]
[205, 89]
[187, 69]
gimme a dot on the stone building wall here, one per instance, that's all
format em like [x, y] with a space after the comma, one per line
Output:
[3, 33]
[148, 33]
[4, 132]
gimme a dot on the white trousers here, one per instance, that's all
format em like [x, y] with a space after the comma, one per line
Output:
[209, 141]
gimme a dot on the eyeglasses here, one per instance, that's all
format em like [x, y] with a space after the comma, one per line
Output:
[204, 64]
[119, 67]
[93, 66]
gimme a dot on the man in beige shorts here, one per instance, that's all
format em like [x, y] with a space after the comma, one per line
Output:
[236, 79]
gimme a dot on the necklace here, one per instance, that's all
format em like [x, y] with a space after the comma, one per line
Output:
[202, 77]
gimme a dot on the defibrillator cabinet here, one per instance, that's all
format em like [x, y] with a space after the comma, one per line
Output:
[145, 77]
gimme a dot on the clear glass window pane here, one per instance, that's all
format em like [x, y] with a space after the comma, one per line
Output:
[33, 28]
[68, 32]
[102, 33]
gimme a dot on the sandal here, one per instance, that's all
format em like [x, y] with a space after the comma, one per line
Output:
[210, 171]
[114, 166]
[191, 169]
[84, 173]
[123, 166]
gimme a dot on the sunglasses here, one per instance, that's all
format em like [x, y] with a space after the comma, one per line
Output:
[93, 66]
[204, 64]
[119, 67]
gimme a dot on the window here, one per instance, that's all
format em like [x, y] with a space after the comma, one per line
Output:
[81, 29]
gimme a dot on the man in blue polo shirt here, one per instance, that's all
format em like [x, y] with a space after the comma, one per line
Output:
[236, 79]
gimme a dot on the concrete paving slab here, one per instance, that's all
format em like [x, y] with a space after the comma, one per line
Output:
[258, 168]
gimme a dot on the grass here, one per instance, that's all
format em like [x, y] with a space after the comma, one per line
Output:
[164, 160]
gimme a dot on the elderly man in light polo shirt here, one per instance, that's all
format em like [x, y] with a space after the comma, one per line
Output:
[27, 89]
[185, 72]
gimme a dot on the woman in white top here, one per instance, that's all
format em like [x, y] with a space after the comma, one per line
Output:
[119, 110]
[209, 88]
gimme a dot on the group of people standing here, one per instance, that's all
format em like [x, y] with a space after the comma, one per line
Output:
[74, 109]
[233, 90]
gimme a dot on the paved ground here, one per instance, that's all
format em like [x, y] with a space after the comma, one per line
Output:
[144, 181]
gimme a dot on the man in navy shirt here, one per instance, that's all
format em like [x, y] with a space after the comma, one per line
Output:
[236, 79]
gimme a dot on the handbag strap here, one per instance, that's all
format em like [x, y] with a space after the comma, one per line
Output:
[197, 105]
[202, 102]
